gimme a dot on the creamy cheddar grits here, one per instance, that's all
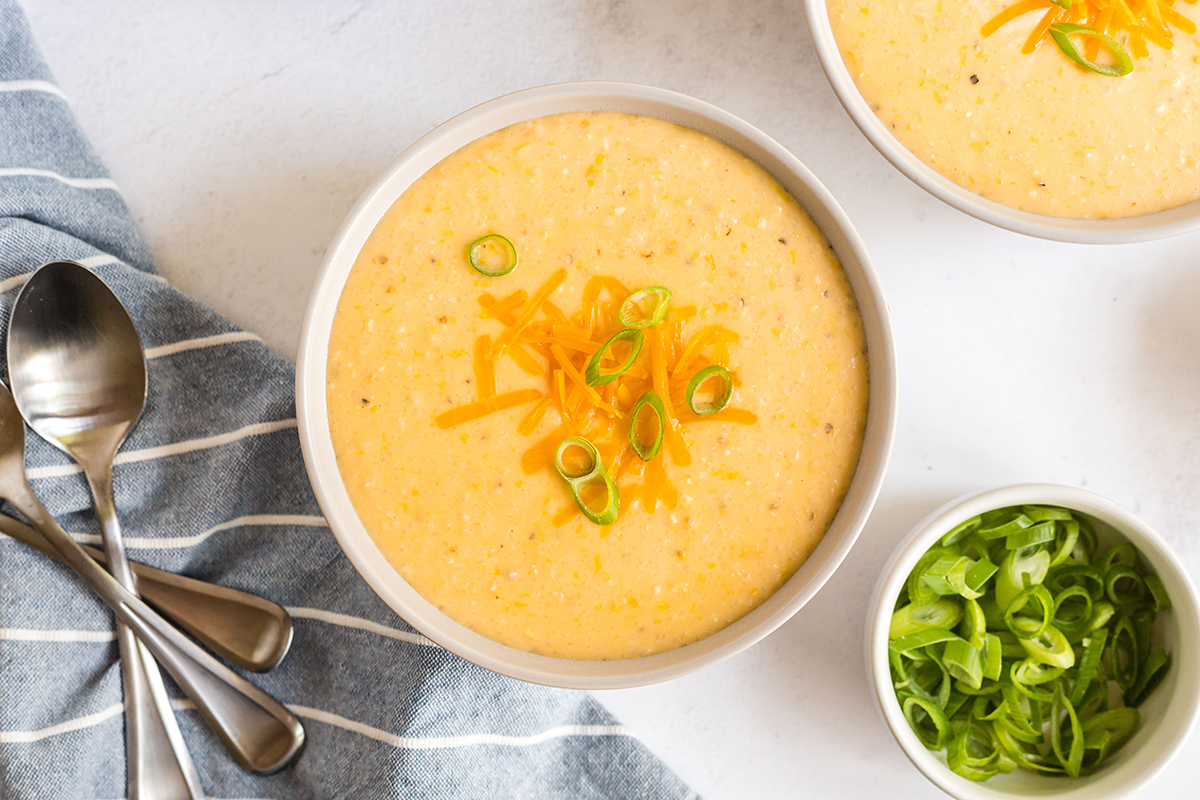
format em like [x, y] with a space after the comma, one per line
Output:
[597, 385]
[982, 92]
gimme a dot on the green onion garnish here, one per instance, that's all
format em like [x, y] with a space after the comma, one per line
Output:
[1018, 665]
[646, 451]
[718, 401]
[1062, 32]
[586, 475]
[492, 255]
[631, 315]
[595, 376]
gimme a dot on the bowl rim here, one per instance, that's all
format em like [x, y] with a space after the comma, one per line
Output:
[316, 442]
[1123, 230]
[1114, 781]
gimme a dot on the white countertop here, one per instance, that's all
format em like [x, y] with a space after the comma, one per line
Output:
[242, 132]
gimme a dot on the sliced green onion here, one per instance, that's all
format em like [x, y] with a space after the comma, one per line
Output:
[1040, 533]
[1066, 538]
[964, 662]
[719, 401]
[651, 400]
[1158, 592]
[992, 657]
[959, 531]
[595, 376]
[492, 255]
[937, 576]
[937, 732]
[974, 624]
[1089, 666]
[974, 754]
[1050, 647]
[964, 577]
[570, 473]
[1143, 622]
[1124, 587]
[1149, 677]
[1077, 616]
[1043, 513]
[923, 638]
[1062, 32]
[913, 618]
[1073, 573]
[630, 313]
[582, 479]
[1118, 723]
[1072, 761]
[1005, 529]
[1014, 569]
[1027, 627]
[1123, 654]
[1124, 553]
[1085, 548]
[1026, 676]
[918, 591]
[957, 700]
[979, 574]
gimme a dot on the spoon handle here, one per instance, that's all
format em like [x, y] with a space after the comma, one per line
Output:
[249, 631]
[261, 735]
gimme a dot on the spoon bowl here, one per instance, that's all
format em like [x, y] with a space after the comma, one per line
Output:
[76, 363]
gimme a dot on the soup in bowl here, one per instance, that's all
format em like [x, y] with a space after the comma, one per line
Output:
[984, 105]
[596, 386]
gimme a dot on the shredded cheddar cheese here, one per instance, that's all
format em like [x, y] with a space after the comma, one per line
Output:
[544, 342]
[1135, 22]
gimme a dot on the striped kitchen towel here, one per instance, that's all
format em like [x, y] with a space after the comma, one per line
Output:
[211, 484]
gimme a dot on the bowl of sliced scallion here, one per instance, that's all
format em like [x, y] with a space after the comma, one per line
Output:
[1036, 640]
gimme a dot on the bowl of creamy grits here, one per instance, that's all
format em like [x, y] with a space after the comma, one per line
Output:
[596, 386]
[1143, 734]
[978, 104]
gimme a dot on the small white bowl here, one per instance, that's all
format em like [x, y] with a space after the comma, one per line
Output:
[1167, 715]
[1126, 230]
[318, 446]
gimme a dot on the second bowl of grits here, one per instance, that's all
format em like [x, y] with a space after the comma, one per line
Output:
[608, 280]
[985, 105]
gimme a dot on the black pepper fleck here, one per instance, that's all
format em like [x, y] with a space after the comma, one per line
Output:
[974, 79]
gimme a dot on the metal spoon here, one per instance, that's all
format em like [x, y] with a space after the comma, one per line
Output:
[262, 735]
[243, 628]
[79, 379]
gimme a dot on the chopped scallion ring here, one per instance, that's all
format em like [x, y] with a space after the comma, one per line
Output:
[584, 477]
[580, 472]
[1062, 32]
[646, 451]
[492, 255]
[719, 401]
[595, 376]
[630, 311]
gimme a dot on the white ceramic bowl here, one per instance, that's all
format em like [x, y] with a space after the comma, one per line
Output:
[1167, 715]
[1126, 230]
[318, 447]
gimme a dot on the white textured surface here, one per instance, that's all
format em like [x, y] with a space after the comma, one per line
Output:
[242, 132]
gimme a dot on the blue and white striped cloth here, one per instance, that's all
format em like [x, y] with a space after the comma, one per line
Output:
[211, 483]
